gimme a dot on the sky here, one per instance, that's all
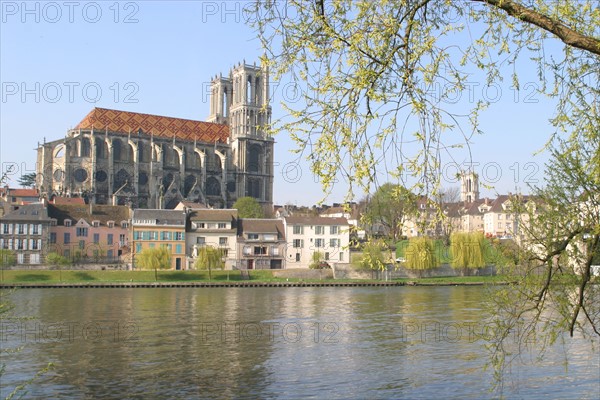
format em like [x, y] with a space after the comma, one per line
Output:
[59, 60]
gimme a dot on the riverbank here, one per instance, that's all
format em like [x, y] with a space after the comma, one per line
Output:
[256, 278]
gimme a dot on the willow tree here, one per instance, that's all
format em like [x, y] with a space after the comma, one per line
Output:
[468, 251]
[209, 258]
[420, 255]
[369, 74]
[154, 258]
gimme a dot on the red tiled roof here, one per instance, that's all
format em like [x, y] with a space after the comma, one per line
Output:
[68, 200]
[23, 192]
[125, 122]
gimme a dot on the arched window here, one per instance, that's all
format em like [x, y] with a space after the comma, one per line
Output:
[254, 158]
[101, 149]
[249, 90]
[116, 145]
[213, 187]
[85, 147]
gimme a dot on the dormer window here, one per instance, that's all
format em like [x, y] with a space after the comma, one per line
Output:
[111, 224]
[67, 222]
[124, 224]
[53, 222]
[95, 224]
[253, 236]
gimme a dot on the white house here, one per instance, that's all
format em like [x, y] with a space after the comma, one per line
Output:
[212, 227]
[308, 235]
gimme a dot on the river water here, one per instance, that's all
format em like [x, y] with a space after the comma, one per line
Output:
[395, 342]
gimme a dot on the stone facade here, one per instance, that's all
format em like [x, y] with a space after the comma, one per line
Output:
[149, 161]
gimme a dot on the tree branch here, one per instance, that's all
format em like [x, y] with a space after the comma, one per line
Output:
[562, 31]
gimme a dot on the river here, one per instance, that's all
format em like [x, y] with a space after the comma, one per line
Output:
[394, 342]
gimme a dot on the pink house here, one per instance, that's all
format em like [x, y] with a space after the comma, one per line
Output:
[95, 233]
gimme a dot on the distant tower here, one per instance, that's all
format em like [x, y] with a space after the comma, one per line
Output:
[469, 187]
[241, 101]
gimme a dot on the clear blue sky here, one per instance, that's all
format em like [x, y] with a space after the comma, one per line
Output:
[158, 57]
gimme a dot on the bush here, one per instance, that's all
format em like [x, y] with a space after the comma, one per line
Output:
[56, 259]
[7, 257]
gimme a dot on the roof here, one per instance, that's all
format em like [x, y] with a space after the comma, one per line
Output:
[126, 122]
[20, 192]
[261, 225]
[68, 200]
[300, 220]
[224, 215]
[75, 212]
[29, 212]
[159, 217]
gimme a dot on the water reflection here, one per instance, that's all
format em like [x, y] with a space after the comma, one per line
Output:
[269, 342]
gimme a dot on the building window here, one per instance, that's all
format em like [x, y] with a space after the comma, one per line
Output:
[122, 240]
[96, 224]
[67, 238]
[333, 230]
[200, 240]
[298, 243]
[275, 250]
[109, 254]
[34, 258]
[319, 243]
[178, 249]
[20, 229]
[223, 241]
[35, 229]
[260, 250]
[124, 225]
[5, 228]
[81, 232]
[34, 244]
[138, 247]
[341, 256]
[334, 243]
[319, 230]
[326, 256]
[20, 244]
[297, 257]
[499, 225]
[222, 225]
[111, 224]
[298, 229]
[67, 223]
[109, 238]
[165, 235]
[179, 236]
[253, 236]
[52, 237]
[96, 238]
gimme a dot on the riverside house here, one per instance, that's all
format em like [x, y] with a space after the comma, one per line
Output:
[25, 232]
[215, 228]
[153, 228]
[95, 233]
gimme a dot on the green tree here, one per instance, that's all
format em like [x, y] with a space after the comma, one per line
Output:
[368, 73]
[390, 206]
[248, 207]
[154, 258]
[420, 254]
[209, 258]
[27, 180]
[468, 251]
[375, 256]
[317, 260]
[57, 261]
[7, 258]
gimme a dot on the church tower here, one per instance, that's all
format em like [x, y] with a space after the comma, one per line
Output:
[241, 101]
[469, 187]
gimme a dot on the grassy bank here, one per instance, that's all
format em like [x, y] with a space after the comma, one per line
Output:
[70, 276]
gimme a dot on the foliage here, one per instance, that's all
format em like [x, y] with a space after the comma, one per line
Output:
[154, 258]
[7, 258]
[374, 256]
[56, 259]
[209, 258]
[468, 251]
[318, 261]
[369, 74]
[248, 207]
[27, 180]
[420, 254]
[390, 206]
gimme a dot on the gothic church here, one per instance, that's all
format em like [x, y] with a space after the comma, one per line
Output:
[149, 161]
